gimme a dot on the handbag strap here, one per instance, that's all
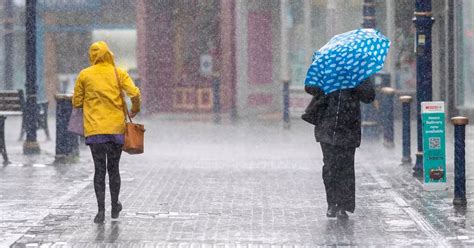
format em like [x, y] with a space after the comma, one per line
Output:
[125, 108]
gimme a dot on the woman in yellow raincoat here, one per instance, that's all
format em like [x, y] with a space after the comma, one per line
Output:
[97, 92]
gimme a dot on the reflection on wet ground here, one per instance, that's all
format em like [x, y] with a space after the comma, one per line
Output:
[244, 184]
[108, 233]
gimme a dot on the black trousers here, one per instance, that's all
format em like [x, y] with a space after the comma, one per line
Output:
[338, 175]
[106, 158]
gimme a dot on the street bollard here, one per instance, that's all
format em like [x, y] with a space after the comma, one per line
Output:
[286, 104]
[370, 118]
[384, 79]
[406, 133]
[67, 144]
[233, 111]
[216, 98]
[387, 116]
[459, 123]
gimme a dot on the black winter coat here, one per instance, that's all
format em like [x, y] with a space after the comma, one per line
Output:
[341, 121]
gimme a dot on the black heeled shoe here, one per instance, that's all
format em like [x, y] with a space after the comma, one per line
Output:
[341, 214]
[116, 208]
[331, 213]
[100, 217]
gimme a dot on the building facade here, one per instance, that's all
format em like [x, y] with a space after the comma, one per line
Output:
[242, 39]
[183, 46]
[179, 49]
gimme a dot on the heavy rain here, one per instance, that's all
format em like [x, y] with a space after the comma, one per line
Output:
[236, 123]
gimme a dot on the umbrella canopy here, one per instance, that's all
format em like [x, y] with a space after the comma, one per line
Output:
[347, 59]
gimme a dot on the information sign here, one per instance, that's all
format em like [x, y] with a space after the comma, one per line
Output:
[69, 5]
[434, 150]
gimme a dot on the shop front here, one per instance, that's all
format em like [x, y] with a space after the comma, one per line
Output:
[185, 47]
[465, 84]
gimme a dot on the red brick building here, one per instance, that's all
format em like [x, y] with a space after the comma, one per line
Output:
[241, 37]
[173, 37]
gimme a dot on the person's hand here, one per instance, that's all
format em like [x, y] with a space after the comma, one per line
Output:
[133, 114]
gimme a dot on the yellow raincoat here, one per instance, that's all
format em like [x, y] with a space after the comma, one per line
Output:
[98, 93]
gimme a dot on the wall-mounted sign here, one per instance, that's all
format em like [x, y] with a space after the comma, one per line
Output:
[71, 5]
[434, 150]
[205, 64]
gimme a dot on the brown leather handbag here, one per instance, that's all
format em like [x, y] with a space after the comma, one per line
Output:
[134, 132]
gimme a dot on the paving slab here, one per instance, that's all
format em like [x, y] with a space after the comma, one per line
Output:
[243, 185]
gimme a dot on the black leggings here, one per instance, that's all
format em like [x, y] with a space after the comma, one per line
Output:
[338, 176]
[106, 155]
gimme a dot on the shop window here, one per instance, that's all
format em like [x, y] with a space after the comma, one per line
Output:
[204, 99]
[184, 98]
[466, 84]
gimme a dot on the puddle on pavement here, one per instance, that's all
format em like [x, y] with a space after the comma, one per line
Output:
[400, 226]
[39, 165]
[166, 215]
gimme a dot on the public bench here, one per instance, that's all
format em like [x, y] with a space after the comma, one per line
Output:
[11, 104]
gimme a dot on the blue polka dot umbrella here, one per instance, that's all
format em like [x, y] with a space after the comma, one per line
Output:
[347, 59]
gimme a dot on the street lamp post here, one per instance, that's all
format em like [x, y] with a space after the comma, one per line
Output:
[370, 116]
[31, 146]
[423, 22]
[369, 14]
[8, 48]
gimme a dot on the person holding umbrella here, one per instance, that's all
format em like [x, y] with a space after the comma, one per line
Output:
[338, 80]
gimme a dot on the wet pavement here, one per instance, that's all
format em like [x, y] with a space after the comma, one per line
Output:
[244, 185]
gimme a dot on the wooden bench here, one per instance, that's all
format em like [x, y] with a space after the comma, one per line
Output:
[11, 104]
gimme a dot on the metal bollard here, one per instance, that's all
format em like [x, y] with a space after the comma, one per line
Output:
[459, 123]
[286, 104]
[371, 113]
[387, 116]
[406, 136]
[67, 144]
[384, 78]
[233, 111]
[216, 98]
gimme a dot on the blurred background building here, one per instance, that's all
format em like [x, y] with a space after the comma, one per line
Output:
[175, 49]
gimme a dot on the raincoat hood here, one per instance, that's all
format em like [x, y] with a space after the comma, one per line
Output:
[97, 92]
[99, 52]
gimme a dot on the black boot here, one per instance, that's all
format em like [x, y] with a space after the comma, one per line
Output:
[116, 208]
[341, 214]
[100, 217]
[331, 213]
